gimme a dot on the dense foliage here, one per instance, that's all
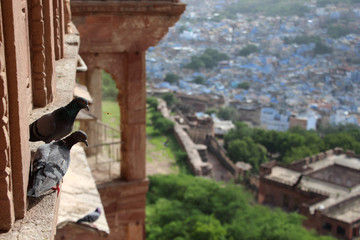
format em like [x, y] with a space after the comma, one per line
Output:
[209, 59]
[152, 102]
[172, 78]
[337, 31]
[199, 80]
[184, 207]
[244, 85]
[302, 39]
[253, 144]
[321, 48]
[169, 98]
[247, 50]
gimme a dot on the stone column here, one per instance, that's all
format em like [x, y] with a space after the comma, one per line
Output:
[7, 215]
[59, 28]
[37, 48]
[18, 73]
[49, 49]
[132, 101]
[94, 83]
[67, 14]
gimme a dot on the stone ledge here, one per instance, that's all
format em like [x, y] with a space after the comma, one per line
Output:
[41, 215]
[80, 196]
[127, 7]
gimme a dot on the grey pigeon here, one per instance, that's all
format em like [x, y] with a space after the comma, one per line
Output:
[51, 161]
[57, 124]
[91, 217]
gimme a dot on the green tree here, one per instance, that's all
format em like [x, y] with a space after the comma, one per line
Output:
[228, 113]
[170, 99]
[302, 39]
[172, 78]
[208, 59]
[244, 85]
[337, 31]
[199, 80]
[164, 125]
[247, 50]
[195, 64]
[152, 102]
[188, 208]
[246, 150]
[203, 227]
[321, 48]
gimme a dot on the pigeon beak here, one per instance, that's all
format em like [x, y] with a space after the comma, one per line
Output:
[85, 141]
[87, 107]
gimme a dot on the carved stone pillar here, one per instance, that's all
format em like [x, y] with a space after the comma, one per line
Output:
[133, 116]
[94, 83]
[7, 215]
[48, 11]
[67, 15]
[59, 28]
[37, 32]
[18, 74]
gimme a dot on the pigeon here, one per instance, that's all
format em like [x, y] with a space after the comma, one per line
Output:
[51, 161]
[57, 124]
[91, 217]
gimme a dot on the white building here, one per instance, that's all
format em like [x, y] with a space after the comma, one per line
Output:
[343, 117]
[272, 119]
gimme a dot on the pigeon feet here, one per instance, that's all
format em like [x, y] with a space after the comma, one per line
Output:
[57, 188]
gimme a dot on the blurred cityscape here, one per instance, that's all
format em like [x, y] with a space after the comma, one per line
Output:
[301, 66]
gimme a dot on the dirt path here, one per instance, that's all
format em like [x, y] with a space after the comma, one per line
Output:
[220, 173]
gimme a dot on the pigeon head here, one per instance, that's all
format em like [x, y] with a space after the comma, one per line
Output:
[75, 137]
[98, 210]
[80, 103]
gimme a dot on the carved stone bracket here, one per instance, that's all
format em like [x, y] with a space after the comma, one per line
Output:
[37, 32]
[123, 25]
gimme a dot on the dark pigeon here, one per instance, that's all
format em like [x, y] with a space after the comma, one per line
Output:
[91, 217]
[58, 124]
[51, 161]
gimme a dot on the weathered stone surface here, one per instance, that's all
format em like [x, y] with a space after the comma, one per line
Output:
[124, 25]
[49, 50]
[19, 96]
[124, 203]
[41, 215]
[80, 197]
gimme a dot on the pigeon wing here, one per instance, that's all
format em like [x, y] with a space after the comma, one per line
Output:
[50, 165]
[63, 124]
[44, 127]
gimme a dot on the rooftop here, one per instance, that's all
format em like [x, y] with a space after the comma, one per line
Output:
[332, 174]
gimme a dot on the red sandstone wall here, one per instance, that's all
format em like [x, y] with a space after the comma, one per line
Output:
[124, 204]
[295, 197]
[73, 232]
